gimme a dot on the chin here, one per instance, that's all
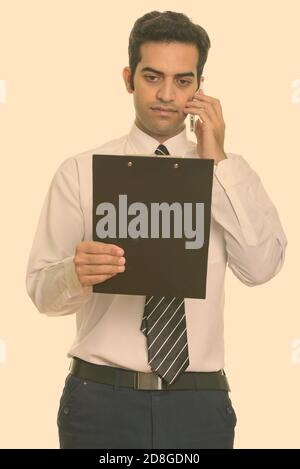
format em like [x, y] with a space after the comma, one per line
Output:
[163, 127]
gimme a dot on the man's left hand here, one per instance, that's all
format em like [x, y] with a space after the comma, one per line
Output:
[210, 132]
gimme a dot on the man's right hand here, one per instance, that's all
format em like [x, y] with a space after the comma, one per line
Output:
[96, 262]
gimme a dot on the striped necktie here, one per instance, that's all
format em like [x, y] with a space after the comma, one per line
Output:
[164, 326]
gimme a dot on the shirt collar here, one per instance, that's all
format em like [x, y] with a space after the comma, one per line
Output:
[145, 144]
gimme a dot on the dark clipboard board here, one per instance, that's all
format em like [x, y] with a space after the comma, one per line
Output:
[155, 266]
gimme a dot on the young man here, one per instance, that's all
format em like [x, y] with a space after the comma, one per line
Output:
[115, 395]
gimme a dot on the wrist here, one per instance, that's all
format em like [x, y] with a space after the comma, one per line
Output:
[219, 158]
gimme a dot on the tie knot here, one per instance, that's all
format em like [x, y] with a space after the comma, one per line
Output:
[161, 150]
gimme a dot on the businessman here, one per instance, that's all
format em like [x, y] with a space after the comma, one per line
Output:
[149, 372]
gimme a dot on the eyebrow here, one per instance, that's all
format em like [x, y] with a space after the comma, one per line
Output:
[178, 75]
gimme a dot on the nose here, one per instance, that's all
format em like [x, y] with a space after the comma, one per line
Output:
[166, 92]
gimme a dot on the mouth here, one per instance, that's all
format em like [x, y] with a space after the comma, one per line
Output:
[163, 111]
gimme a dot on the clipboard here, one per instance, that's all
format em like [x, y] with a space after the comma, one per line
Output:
[127, 191]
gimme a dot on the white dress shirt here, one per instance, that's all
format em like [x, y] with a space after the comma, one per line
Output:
[245, 233]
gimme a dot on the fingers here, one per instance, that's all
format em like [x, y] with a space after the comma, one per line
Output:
[196, 107]
[96, 259]
[211, 105]
[204, 117]
[96, 262]
[95, 247]
[99, 269]
[216, 104]
[89, 280]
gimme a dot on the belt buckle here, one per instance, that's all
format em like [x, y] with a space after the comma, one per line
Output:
[147, 381]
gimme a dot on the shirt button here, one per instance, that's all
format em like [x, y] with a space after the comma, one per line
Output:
[66, 410]
[229, 410]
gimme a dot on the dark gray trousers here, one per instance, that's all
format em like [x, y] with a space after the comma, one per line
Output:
[93, 415]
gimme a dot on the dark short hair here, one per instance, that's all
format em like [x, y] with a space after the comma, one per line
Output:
[167, 26]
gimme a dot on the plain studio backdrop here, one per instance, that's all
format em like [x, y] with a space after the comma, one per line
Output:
[61, 93]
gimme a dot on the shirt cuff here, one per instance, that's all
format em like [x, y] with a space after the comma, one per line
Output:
[232, 171]
[73, 285]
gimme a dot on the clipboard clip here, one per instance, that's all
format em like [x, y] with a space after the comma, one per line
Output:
[130, 164]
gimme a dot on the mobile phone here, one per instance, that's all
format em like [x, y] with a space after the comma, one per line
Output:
[192, 122]
[192, 116]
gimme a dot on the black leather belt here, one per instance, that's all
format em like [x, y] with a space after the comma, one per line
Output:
[147, 381]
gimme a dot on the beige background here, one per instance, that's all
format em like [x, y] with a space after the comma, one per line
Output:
[61, 64]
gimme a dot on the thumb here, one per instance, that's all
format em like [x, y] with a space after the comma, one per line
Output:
[198, 127]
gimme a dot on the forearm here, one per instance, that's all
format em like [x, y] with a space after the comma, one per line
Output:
[254, 237]
[51, 280]
[55, 289]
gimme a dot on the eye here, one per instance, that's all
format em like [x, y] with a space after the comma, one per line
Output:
[150, 76]
[153, 79]
[185, 82]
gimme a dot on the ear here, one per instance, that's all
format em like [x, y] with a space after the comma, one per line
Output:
[126, 78]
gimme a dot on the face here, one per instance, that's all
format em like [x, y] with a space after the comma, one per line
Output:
[165, 79]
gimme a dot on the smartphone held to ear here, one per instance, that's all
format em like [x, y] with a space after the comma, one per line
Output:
[192, 116]
[192, 122]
